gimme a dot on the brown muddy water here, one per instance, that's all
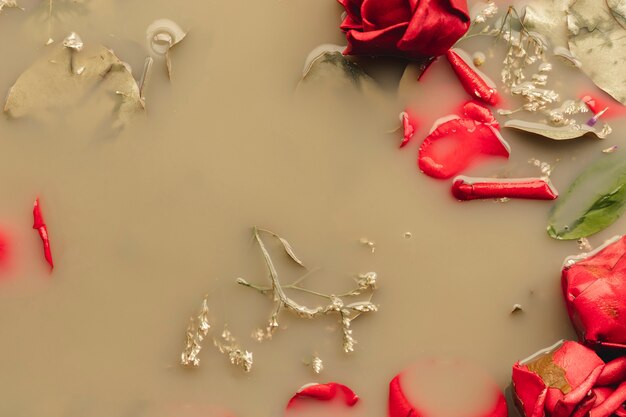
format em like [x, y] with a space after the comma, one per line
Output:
[145, 222]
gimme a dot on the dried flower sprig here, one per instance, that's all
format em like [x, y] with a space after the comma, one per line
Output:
[346, 312]
[9, 4]
[197, 331]
[227, 344]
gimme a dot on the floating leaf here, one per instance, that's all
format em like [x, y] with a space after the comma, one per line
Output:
[290, 252]
[567, 132]
[326, 66]
[597, 37]
[594, 201]
[549, 18]
[51, 84]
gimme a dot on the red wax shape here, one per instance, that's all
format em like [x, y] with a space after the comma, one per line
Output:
[594, 288]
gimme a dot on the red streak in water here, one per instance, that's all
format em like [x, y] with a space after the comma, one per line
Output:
[474, 83]
[40, 225]
[466, 188]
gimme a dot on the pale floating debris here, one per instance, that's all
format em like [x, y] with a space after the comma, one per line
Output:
[316, 364]
[227, 344]
[9, 4]
[50, 41]
[584, 245]
[567, 132]
[145, 76]
[544, 167]
[479, 59]
[336, 305]
[610, 149]
[408, 235]
[197, 331]
[73, 42]
[162, 36]
[487, 12]
[47, 85]
[517, 308]
[371, 245]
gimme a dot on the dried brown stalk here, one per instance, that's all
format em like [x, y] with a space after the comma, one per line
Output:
[336, 305]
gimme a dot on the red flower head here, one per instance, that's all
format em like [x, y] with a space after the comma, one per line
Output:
[594, 287]
[569, 380]
[410, 29]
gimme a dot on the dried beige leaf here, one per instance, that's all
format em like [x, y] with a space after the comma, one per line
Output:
[50, 85]
[168, 58]
[597, 37]
[567, 132]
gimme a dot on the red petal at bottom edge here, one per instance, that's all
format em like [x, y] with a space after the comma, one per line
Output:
[456, 143]
[400, 406]
[324, 392]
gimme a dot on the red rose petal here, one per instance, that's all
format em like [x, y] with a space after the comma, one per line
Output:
[594, 288]
[409, 126]
[476, 111]
[430, 387]
[40, 225]
[468, 188]
[475, 83]
[376, 42]
[455, 144]
[324, 392]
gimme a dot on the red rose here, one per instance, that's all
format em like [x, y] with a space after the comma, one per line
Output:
[405, 28]
[594, 288]
[569, 380]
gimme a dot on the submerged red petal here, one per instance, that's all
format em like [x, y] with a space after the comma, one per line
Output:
[400, 404]
[455, 144]
[409, 126]
[594, 288]
[324, 392]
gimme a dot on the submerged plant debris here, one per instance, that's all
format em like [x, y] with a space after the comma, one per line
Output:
[337, 305]
[9, 4]
[595, 200]
[70, 77]
[197, 331]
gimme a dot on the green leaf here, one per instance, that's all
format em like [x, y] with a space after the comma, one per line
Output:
[595, 200]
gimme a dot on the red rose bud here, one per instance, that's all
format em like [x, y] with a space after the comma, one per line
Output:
[467, 188]
[569, 380]
[455, 143]
[324, 392]
[444, 388]
[408, 127]
[475, 83]
[40, 225]
[594, 288]
[407, 29]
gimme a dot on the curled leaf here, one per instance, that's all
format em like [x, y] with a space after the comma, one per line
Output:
[51, 84]
[595, 200]
[571, 131]
[162, 36]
